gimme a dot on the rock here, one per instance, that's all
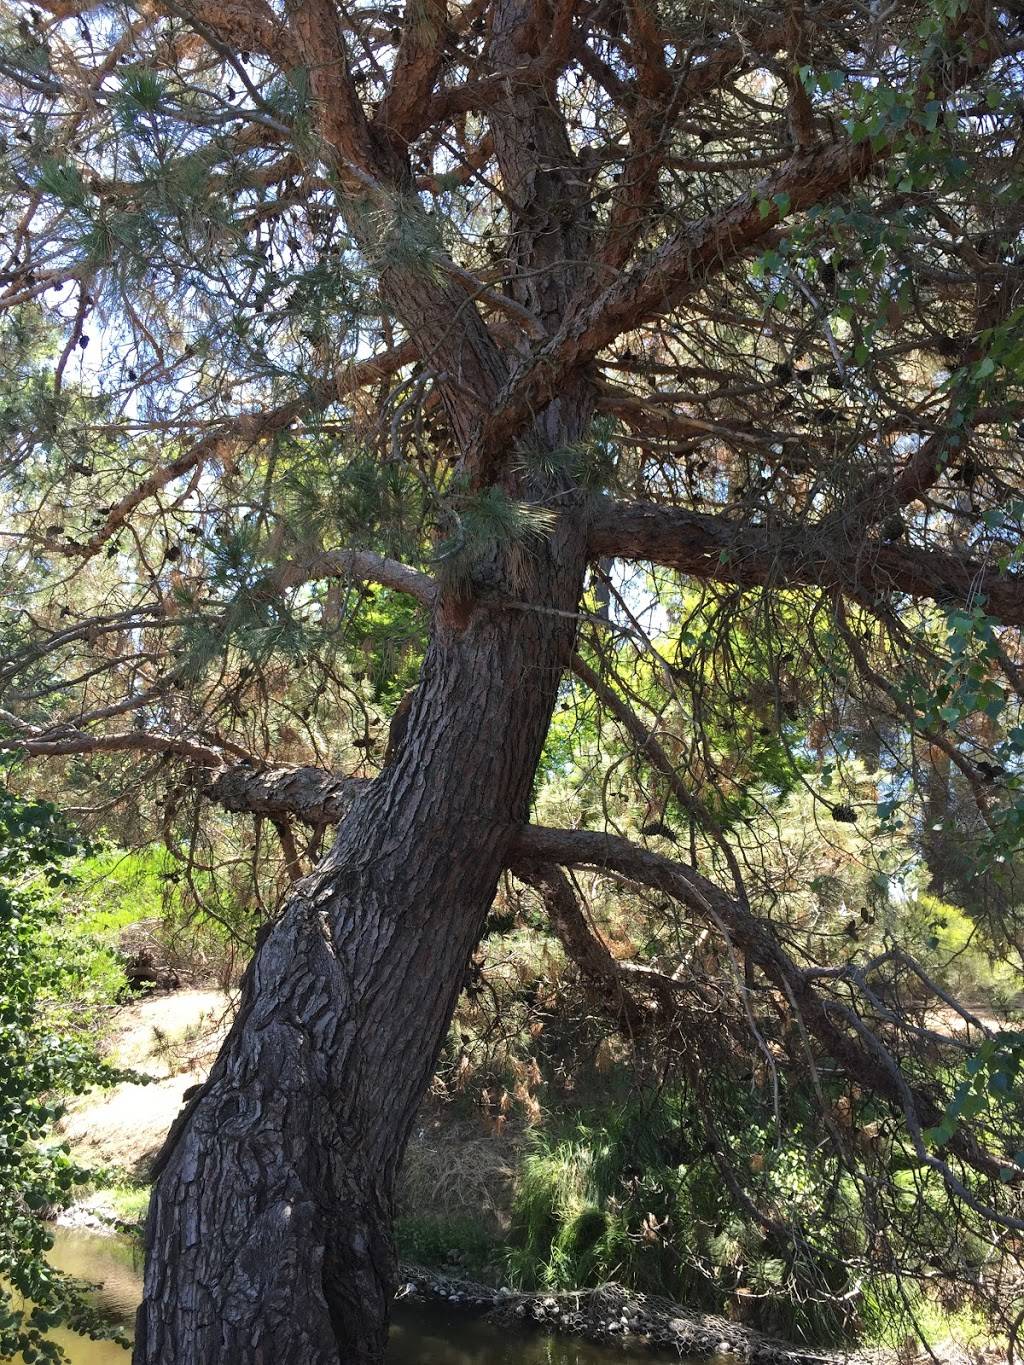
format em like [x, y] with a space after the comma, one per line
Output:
[609, 1314]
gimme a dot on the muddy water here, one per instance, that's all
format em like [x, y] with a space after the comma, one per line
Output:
[421, 1335]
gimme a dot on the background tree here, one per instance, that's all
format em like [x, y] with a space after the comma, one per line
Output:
[307, 308]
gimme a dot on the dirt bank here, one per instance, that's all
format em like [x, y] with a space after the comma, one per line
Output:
[171, 1039]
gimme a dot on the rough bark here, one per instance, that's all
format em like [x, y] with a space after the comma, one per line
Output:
[269, 1234]
[314, 796]
[291, 1150]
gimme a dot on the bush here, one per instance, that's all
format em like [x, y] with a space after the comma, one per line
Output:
[44, 1057]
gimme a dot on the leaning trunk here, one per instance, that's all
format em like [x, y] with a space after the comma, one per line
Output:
[269, 1237]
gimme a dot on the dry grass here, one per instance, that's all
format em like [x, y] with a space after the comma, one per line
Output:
[455, 1168]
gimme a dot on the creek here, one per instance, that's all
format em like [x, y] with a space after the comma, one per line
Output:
[422, 1334]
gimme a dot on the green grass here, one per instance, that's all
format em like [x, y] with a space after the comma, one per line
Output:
[118, 888]
[633, 1198]
[128, 1202]
[432, 1240]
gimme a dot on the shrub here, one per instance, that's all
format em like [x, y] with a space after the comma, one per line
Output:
[43, 1059]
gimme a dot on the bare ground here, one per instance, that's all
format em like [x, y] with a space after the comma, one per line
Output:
[170, 1038]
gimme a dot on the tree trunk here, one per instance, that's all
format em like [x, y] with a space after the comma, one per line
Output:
[269, 1236]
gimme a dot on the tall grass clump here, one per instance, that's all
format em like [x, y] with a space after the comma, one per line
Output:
[635, 1196]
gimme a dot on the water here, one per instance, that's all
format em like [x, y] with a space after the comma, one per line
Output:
[421, 1335]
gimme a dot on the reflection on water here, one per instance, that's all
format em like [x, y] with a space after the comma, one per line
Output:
[422, 1334]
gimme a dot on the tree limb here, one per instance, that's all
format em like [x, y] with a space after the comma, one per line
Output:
[317, 797]
[727, 551]
[246, 428]
[38, 744]
[312, 795]
[680, 267]
[417, 64]
[860, 1053]
[685, 262]
[356, 564]
[584, 949]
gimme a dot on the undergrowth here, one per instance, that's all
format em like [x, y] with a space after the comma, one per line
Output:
[462, 1244]
[636, 1196]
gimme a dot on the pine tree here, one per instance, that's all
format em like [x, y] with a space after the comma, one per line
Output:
[354, 349]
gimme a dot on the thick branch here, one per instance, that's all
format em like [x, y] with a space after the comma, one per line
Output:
[416, 67]
[312, 795]
[715, 547]
[249, 25]
[316, 28]
[356, 564]
[679, 268]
